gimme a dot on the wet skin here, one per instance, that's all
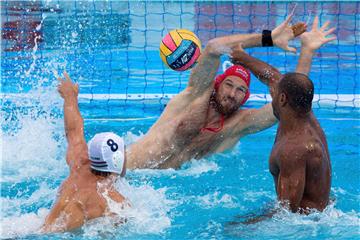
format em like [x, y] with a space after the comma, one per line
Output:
[81, 196]
[300, 165]
[177, 136]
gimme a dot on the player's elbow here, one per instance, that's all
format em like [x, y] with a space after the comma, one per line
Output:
[214, 47]
[74, 128]
[273, 75]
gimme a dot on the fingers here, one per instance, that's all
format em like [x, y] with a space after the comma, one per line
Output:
[289, 17]
[293, 10]
[325, 26]
[315, 23]
[67, 76]
[330, 39]
[330, 31]
[291, 49]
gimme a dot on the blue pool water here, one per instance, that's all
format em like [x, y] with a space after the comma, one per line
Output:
[205, 199]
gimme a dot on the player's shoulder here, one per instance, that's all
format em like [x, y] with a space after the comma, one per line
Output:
[255, 114]
[240, 118]
[303, 149]
[78, 153]
[187, 98]
[254, 119]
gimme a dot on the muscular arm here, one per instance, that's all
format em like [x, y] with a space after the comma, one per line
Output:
[310, 42]
[74, 124]
[203, 74]
[291, 180]
[305, 60]
[255, 120]
[74, 129]
[266, 73]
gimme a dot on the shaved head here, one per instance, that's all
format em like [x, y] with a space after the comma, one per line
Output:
[299, 90]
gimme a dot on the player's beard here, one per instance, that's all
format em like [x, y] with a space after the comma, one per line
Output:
[224, 104]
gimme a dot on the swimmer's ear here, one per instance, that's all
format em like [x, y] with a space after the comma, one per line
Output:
[282, 99]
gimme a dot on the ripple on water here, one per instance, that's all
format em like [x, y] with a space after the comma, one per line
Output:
[287, 225]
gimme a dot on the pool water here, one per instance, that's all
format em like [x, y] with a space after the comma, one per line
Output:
[207, 198]
[210, 198]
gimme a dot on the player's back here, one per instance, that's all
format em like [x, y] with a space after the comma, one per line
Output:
[79, 199]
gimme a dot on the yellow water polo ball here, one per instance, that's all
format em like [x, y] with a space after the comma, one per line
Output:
[180, 49]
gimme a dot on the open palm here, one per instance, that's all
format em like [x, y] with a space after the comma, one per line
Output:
[317, 36]
[284, 33]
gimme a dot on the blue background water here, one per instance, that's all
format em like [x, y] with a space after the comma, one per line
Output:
[111, 47]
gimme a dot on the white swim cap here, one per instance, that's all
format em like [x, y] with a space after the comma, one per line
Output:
[107, 152]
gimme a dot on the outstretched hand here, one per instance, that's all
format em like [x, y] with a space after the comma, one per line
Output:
[66, 87]
[283, 33]
[317, 37]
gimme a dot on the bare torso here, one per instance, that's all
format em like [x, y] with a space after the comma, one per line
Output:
[317, 165]
[80, 198]
[177, 137]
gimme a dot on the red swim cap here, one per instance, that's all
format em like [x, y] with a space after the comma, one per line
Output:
[238, 71]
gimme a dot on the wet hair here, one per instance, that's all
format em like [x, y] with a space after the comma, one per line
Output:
[299, 90]
[100, 173]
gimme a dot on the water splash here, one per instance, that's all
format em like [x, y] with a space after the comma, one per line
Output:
[131, 137]
[34, 50]
[21, 225]
[216, 199]
[148, 213]
[285, 225]
[42, 157]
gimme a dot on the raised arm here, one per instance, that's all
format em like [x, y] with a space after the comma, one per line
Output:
[310, 42]
[74, 124]
[266, 73]
[280, 36]
[203, 74]
[255, 120]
